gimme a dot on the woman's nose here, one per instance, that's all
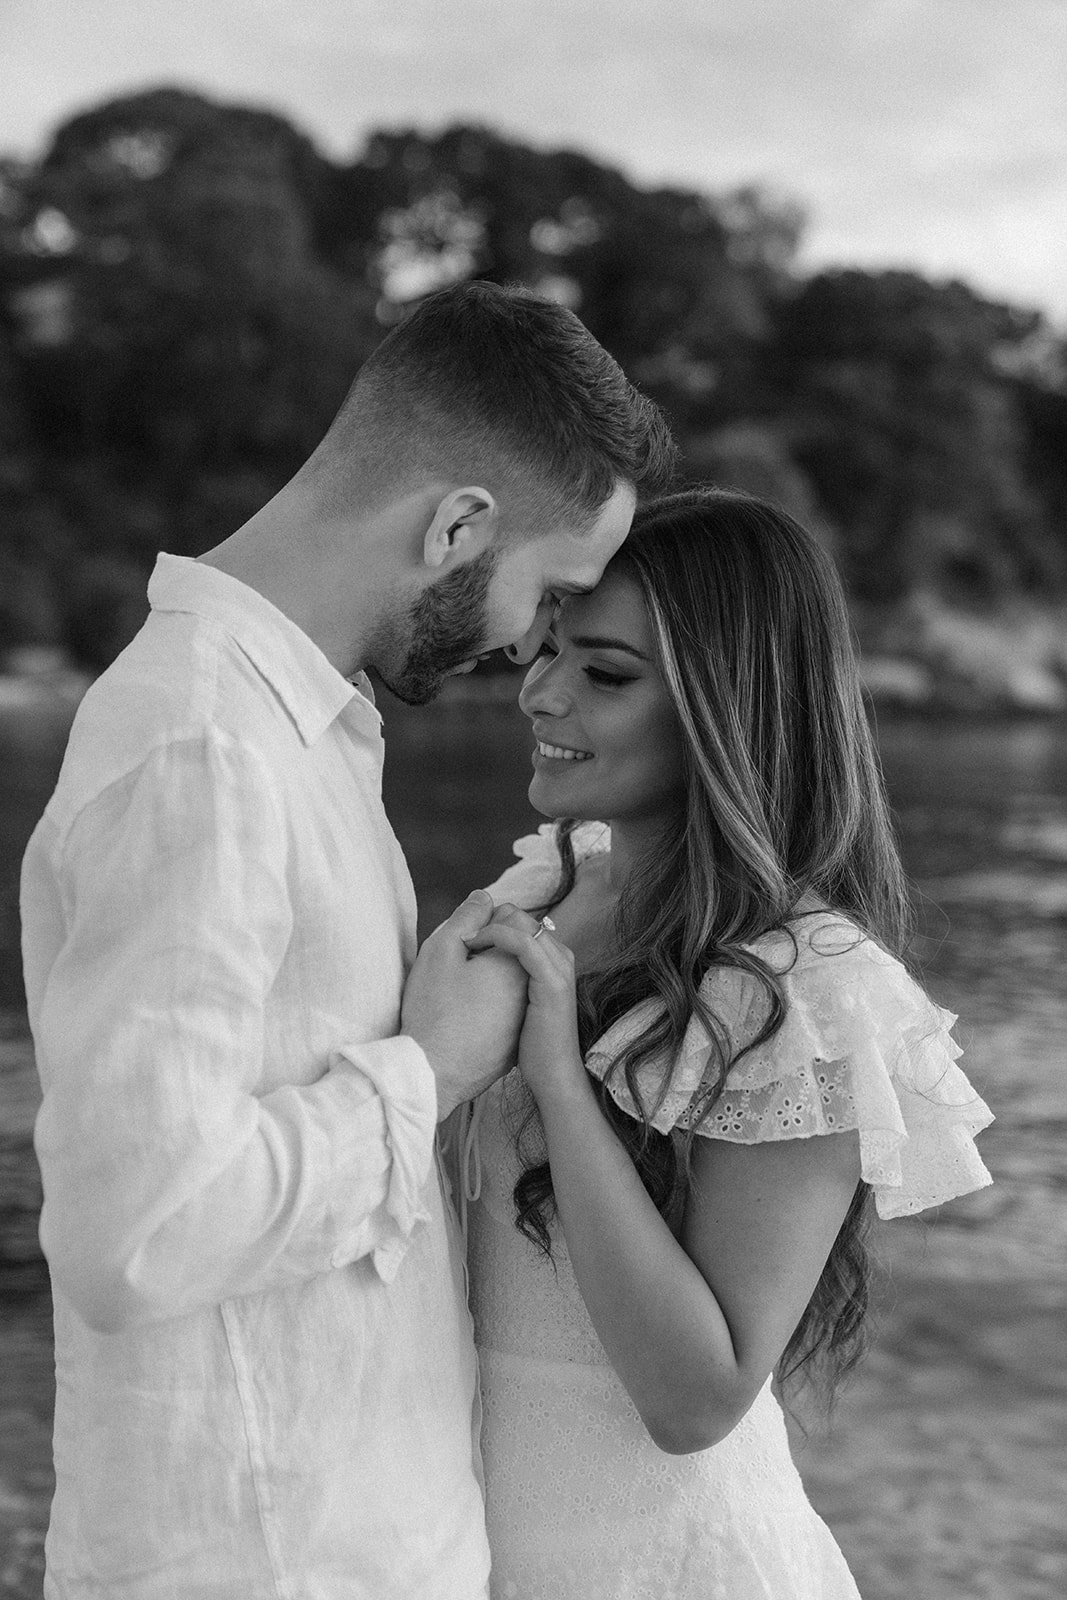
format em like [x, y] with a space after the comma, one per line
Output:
[544, 691]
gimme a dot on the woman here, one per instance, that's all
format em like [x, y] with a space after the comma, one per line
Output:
[675, 1182]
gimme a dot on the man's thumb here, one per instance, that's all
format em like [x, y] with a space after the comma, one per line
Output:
[472, 916]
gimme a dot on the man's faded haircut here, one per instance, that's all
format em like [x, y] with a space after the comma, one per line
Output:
[492, 385]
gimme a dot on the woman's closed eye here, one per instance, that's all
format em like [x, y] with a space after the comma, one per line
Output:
[603, 677]
[612, 680]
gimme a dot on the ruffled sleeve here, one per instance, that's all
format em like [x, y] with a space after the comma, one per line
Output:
[533, 879]
[860, 1047]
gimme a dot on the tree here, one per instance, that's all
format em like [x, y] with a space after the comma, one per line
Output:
[188, 288]
[207, 336]
[674, 283]
[898, 408]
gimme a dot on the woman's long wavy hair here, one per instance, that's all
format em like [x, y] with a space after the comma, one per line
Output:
[784, 808]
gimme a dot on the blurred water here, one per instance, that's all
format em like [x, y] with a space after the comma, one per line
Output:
[969, 1375]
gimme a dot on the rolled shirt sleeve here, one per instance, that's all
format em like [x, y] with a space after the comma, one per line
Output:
[171, 1180]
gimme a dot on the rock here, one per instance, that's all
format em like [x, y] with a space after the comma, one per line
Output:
[972, 662]
[20, 1090]
[20, 1178]
[891, 680]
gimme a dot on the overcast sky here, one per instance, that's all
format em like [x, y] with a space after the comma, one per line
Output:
[923, 133]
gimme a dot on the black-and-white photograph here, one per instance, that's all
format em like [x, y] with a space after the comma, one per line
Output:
[533, 800]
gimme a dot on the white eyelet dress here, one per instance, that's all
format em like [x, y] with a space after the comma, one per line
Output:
[581, 1505]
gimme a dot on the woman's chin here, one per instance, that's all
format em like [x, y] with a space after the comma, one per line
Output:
[550, 801]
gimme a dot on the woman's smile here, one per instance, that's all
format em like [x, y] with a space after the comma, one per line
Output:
[560, 752]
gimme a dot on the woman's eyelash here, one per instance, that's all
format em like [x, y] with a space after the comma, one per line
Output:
[598, 675]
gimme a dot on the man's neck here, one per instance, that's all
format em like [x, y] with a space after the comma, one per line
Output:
[281, 552]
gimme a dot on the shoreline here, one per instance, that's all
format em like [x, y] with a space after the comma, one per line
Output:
[917, 657]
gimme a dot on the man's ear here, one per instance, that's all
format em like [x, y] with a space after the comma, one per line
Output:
[462, 525]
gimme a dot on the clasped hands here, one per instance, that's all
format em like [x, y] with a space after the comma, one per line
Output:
[488, 980]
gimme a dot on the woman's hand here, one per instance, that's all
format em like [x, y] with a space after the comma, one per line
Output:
[549, 1056]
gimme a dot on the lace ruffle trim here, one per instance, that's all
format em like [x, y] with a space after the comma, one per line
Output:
[532, 880]
[916, 1151]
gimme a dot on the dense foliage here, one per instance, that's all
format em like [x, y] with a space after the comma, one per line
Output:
[187, 288]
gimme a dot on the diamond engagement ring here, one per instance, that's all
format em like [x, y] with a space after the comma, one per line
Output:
[546, 922]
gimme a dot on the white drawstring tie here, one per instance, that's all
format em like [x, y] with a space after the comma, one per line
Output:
[462, 1137]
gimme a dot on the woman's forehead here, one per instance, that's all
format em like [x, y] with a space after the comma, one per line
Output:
[614, 609]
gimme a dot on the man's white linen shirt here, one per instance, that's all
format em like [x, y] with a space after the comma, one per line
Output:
[266, 1381]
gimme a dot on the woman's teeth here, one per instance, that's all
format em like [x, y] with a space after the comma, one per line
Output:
[558, 753]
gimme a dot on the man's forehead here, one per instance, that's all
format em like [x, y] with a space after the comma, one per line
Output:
[609, 524]
[613, 520]
[575, 560]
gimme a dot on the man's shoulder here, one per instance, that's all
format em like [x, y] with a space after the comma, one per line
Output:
[180, 681]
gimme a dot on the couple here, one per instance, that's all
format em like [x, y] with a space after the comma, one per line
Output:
[675, 1051]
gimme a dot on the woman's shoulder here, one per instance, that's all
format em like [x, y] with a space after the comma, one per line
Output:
[822, 954]
[533, 878]
[838, 992]
[814, 937]
[831, 970]
[823, 960]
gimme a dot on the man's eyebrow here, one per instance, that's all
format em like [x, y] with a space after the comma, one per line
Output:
[597, 641]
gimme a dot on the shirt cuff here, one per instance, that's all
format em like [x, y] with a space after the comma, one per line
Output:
[402, 1079]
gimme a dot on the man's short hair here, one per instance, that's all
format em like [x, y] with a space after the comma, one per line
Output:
[496, 386]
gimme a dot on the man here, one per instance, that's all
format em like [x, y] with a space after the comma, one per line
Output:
[265, 1375]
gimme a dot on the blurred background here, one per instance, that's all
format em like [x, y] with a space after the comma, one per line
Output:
[829, 241]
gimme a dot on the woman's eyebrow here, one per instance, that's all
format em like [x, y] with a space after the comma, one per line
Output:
[596, 641]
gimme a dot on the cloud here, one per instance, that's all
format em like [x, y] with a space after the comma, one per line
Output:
[923, 132]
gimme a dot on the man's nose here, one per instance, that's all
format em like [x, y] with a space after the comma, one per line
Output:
[524, 650]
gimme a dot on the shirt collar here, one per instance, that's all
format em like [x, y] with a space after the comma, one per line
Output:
[312, 691]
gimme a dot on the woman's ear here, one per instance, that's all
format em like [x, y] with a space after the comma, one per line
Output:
[462, 525]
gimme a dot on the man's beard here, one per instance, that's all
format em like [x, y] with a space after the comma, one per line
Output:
[446, 627]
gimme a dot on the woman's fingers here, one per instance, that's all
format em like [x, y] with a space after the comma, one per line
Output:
[530, 941]
[542, 957]
[514, 917]
[504, 915]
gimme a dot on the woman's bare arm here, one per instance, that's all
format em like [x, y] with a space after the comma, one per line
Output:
[695, 1325]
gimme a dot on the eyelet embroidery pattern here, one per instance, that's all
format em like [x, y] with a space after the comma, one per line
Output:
[789, 1109]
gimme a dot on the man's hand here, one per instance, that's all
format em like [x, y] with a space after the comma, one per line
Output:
[464, 1010]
